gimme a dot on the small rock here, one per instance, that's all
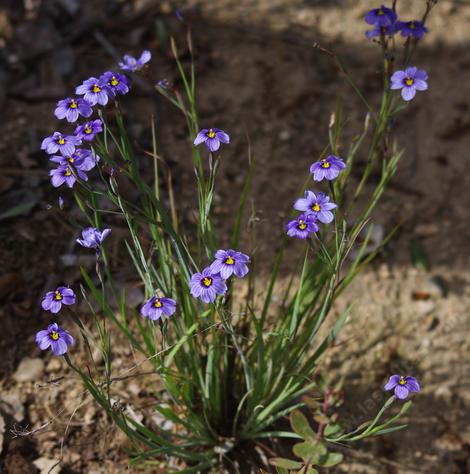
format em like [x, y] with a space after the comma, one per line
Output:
[443, 392]
[10, 404]
[54, 365]
[436, 287]
[425, 307]
[134, 294]
[47, 466]
[97, 356]
[134, 389]
[90, 414]
[29, 370]
[427, 230]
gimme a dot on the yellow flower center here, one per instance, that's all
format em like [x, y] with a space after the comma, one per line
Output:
[58, 296]
[54, 335]
[412, 25]
[409, 81]
[207, 281]
[325, 164]
[73, 104]
[60, 141]
[88, 130]
[402, 380]
[68, 172]
[316, 207]
[302, 225]
[114, 82]
[71, 159]
[380, 12]
[211, 133]
[158, 303]
[96, 88]
[229, 260]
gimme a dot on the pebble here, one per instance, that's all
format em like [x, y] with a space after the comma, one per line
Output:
[47, 466]
[424, 308]
[436, 287]
[11, 405]
[29, 370]
[427, 230]
[54, 365]
[443, 392]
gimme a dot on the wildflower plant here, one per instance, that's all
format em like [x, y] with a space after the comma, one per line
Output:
[234, 364]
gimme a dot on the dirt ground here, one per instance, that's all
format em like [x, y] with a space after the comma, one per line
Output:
[258, 76]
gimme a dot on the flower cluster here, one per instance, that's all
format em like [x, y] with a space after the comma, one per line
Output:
[211, 282]
[72, 163]
[54, 336]
[386, 23]
[315, 207]
[205, 285]
[92, 92]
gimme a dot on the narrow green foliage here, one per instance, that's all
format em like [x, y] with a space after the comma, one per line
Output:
[236, 370]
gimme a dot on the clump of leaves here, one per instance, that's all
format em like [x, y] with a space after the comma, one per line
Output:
[313, 450]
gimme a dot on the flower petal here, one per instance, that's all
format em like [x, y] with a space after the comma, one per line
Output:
[392, 382]
[408, 93]
[401, 392]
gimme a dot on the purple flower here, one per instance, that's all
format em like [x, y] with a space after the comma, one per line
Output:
[117, 83]
[65, 144]
[155, 307]
[92, 238]
[413, 28]
[53, 300]
[94, 91]
[163, 83]
[212, 137]
[328, 168]
[70, 109]
[179, 15]
[88, 130]
[302, 226]
[382, 16]
[64, 174]
[228, 262]
[129, 63]
[409, 81]
[54, 337]
[402, 386]
[82, 160]
[389, 30]
[317, 204]
[85, 160]
[207, 285]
